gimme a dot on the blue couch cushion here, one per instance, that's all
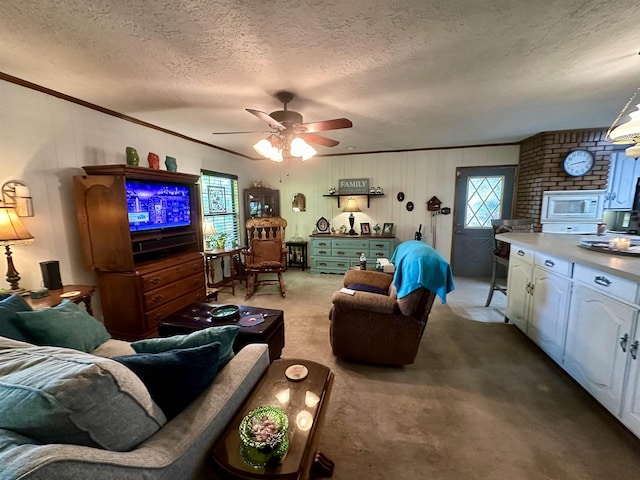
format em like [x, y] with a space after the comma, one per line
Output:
[58, 395]
[66, 325]
[176, 377]
[225, 335]
[363, 287]
[9, 320]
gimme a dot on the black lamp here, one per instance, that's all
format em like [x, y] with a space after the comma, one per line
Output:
[352, 206]
[12, 232]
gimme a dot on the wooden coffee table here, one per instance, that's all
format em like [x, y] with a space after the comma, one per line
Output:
[197, 316]
[305, 402]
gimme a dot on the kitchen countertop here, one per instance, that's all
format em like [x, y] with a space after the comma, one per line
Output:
[566, 247]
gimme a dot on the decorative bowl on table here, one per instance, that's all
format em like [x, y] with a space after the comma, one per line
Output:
[264, 436]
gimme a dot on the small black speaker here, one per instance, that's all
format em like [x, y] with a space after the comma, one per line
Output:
[51, 274]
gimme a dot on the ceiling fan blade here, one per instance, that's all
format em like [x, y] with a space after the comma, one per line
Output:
[233, 133]
[273, 123]
[334, 124]
[318, 140]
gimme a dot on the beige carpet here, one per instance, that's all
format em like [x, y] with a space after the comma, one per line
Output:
[481, 402]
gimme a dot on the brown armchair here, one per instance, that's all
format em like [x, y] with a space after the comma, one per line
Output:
[267, 252]
[376, 328]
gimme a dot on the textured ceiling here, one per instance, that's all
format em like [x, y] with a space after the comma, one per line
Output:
[408, 73]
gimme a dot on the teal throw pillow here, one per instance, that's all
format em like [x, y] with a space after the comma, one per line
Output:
[66, 325]
[57, 395]
[225, 335]
[176, 377]
[9, 307]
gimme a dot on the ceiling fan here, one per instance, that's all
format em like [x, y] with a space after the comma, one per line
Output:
[289, 135]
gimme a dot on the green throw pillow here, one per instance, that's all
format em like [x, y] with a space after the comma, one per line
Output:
[225, 335]
[9, 307]
[66, 325]
[176, 377]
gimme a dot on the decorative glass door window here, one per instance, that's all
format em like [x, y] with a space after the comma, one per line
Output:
[484, 201]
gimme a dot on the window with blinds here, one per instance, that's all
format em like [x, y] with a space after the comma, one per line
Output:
[220, 205]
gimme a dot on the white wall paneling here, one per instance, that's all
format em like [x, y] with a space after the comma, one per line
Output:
[45, 141]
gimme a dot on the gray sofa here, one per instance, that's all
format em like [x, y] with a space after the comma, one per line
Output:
[178, 450]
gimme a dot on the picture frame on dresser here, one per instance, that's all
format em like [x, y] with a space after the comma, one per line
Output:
[365, 229]
[387, 229]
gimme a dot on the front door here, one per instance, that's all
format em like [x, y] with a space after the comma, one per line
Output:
[482, 194]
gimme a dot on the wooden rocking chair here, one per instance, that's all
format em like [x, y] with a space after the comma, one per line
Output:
[267, 252]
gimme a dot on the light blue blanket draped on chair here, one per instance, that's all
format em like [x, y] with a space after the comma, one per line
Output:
[419, 265]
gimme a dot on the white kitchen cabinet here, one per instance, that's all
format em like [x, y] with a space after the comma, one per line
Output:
[621, 184]
[598, 338]
[538, 291]
[519, 285]
[631, 408]
[548, 311]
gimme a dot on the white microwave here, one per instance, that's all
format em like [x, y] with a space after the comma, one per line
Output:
[572, 207]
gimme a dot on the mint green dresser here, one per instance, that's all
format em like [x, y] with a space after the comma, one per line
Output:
[336, 253]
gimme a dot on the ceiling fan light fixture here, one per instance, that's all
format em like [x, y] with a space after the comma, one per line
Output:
[628, 132]
[265, 148]
[300, 148]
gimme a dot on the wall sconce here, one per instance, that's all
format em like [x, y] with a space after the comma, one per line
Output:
[16, 194]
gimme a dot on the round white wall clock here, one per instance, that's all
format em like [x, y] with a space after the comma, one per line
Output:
[578, 162]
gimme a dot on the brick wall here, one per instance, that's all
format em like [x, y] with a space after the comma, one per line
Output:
[540, 166]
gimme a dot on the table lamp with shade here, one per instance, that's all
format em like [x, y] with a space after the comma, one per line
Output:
[352, 206]
[12, 232]
[208, 231]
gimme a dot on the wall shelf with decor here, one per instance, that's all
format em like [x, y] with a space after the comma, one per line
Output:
[368, 195]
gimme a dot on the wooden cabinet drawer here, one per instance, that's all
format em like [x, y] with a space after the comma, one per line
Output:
[156, 297]
[333, 264]
[152, 317]
[553, 264]
[381, 245]
[342, 244]
[609, 284]
[320, 243]
[523, 253]
[349, 253]
[321, 252]
[160, 278]
[380, 254]
[606, 283]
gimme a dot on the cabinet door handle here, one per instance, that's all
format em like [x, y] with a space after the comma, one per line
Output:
[195, 267]
[634, 350]
[339, 253]
[322, 252]
[322, 264]
[341, 265]
[156, 298]
[600, 280]
[528, 288]
[623, 342]
[322, 244]
[549, 263]
[155, 280]
[520, 252]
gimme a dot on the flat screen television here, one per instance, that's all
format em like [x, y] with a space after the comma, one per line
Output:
[157, 205]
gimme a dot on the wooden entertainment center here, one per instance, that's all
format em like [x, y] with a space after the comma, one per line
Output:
[143, 276]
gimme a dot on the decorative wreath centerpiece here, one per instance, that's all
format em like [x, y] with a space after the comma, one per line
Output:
[264, 435]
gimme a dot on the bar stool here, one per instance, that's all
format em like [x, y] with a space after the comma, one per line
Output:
[501, 249]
